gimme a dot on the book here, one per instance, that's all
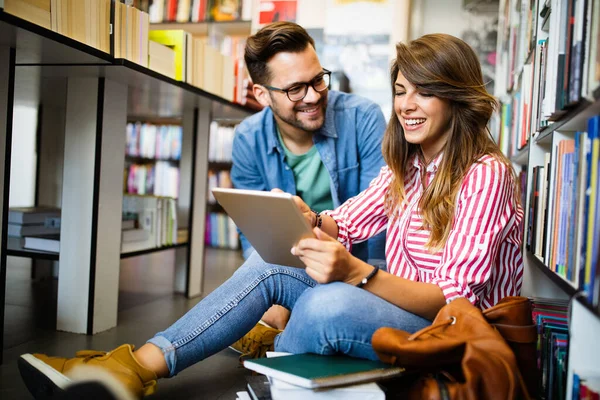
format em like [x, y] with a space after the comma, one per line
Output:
[134, 235]
[36, 11]
[364, 391]
[127, 224]
[243, 396]
[50, 243]
[259, 387]
[32, 215]
[32, 230]
[176, 40]
[318, 371]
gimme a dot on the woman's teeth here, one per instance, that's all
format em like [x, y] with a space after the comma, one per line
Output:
[416, 121]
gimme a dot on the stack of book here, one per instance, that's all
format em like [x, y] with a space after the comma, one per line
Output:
[156, 216]
[197, 10]
[35, 228]
[220, 142]
[220, 231]
[550, 316]
[313, 376]
[131, 27]
[85, 21]
[148, 140]
[548, 61]
[197, 62]
[566, 188]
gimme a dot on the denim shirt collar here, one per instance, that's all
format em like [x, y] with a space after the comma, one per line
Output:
[327, 131]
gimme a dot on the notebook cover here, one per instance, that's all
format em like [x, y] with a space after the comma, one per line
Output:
[319, 371]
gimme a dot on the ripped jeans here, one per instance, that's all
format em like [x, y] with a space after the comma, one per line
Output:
[326, 319]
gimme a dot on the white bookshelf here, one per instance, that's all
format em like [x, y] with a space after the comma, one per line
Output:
[539, 279]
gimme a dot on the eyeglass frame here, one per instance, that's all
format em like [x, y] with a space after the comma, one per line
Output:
[307, 84]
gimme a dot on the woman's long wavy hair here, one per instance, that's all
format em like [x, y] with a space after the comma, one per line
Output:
[449, 69]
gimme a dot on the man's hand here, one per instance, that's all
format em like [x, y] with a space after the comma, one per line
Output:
[310, 216]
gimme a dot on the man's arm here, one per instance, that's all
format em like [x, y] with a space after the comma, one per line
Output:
[245, 175]
[370, 131]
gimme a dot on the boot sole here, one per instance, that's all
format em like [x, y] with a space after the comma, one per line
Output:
[42, 381]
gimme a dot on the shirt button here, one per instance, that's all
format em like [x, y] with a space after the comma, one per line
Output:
[287, 168]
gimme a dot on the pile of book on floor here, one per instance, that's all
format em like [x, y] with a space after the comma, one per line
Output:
[313, 376]
[34, 228]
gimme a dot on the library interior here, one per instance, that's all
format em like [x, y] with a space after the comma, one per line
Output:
[119, 117]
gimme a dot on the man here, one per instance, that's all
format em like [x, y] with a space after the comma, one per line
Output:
[323, 146]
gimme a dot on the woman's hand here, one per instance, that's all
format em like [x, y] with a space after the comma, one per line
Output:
[304, 208]
[327, 260]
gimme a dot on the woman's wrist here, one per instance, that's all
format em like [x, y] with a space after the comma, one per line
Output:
[317, 219]
[358, 271]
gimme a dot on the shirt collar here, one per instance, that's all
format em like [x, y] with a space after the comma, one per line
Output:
[432, 167]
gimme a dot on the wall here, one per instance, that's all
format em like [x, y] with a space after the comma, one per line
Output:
[479, 29]
[357, 37]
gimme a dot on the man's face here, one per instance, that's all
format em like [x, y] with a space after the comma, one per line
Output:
[288, 69]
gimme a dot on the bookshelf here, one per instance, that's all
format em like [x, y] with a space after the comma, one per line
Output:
[220, 232]
[154, 250]
[99, 94]
[548, 82]
[208, 28]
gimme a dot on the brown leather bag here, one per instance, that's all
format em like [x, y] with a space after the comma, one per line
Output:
[463, 354]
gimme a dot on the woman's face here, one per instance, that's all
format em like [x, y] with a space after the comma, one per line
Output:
[424, 117]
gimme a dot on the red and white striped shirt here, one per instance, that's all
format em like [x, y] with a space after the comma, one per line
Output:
[481, 260]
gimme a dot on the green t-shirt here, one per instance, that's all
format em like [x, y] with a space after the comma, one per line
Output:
[312, 178]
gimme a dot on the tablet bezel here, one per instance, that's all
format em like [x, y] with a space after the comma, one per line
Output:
[271, 221]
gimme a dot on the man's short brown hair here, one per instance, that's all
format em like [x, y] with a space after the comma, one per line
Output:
[270, 40]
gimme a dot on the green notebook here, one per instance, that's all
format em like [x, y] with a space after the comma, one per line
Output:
[314, 371]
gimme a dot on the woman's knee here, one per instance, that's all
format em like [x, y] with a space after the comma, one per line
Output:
[324, 305]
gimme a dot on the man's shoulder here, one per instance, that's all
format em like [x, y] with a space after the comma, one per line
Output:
[255, 123]
[340, 101]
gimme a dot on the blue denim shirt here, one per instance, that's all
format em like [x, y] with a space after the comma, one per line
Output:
[349, 144]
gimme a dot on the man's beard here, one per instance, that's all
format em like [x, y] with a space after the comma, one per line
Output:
[292, 117]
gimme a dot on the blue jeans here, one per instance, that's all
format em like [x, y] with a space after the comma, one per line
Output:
[326, 319]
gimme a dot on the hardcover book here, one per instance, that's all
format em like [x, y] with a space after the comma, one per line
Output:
[316, 371]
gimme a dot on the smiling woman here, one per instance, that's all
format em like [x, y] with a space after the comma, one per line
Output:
[441, 106]
[425, 118]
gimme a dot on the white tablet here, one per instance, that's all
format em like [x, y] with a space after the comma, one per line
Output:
[271, 222]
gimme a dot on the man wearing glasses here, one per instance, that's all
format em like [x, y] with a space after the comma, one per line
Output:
[322, 145]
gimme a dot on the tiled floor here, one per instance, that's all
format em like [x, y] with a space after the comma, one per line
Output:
[146, 305]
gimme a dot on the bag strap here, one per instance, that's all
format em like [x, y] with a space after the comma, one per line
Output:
[451, 321]
[518, 333]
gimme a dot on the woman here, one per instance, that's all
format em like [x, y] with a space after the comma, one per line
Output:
[448, 199]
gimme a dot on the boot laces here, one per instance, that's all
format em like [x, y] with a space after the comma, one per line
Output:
[88, 355]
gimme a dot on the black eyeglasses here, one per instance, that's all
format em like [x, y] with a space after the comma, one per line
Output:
[299, 90]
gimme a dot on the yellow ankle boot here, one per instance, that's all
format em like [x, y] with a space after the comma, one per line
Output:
[47, 376]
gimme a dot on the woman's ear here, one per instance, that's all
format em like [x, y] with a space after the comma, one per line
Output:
[261, 94]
